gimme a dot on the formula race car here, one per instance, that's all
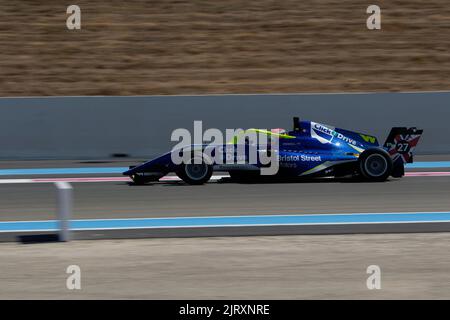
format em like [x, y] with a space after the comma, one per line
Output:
[309, 150]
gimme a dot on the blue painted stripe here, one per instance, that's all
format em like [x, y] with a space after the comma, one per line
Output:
[114, 170]
[257, 220]
[428, 164]
[99, 170]
[28, 226]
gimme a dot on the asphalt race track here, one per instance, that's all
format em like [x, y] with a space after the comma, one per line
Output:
[111, 200]
[122, 200]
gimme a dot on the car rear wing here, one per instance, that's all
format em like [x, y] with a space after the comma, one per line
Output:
[401, 142]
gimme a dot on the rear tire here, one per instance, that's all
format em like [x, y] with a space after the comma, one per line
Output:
[195, 174]
[375, 165]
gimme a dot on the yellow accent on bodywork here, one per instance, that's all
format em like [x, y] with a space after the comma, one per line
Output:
[234, 140]
[360, 150]
[316, 168]
[368, 139]
[323, 166]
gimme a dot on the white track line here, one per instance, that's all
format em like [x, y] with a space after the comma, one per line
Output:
[94, 179]
[167, 178]
[7, 181]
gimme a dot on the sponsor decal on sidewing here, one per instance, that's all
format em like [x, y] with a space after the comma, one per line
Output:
[296, 158]
[329, 133]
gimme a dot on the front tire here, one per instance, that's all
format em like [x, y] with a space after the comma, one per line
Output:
[195, 173]
[375, 165]
[139, 179]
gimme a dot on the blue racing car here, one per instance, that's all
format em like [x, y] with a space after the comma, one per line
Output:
[309, 150]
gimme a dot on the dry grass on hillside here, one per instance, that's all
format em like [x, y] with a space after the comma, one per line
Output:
[210, 46]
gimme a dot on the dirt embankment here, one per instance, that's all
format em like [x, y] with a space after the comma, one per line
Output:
[142, 47]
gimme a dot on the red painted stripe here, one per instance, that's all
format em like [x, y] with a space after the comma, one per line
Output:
[88, 179]
[107, 179]
[174, 178]
[427, 174]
